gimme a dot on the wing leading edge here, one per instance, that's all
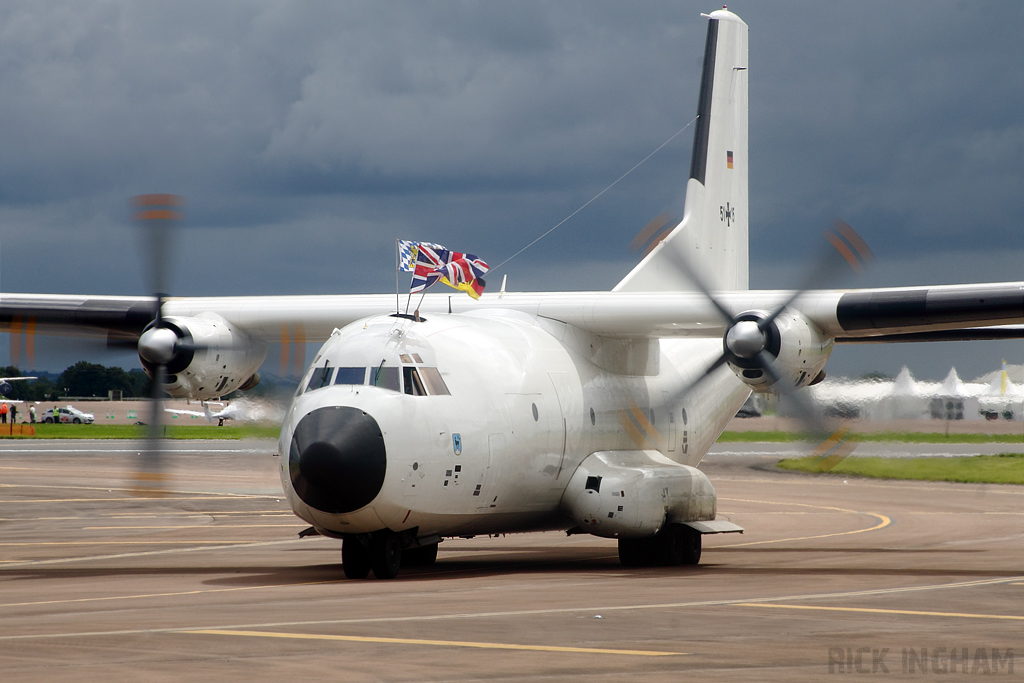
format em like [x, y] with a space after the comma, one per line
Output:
[948, 312]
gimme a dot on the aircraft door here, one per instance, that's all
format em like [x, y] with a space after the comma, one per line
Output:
[558, 441]
[533, 422]
[486, 492]
[671, 422]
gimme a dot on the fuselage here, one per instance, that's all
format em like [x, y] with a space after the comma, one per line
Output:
[467, 424]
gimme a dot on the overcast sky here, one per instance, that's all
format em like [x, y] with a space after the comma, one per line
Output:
[307, 136]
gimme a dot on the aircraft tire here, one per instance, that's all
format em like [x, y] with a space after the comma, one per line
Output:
[385, 554]
[637, 552]
[678, 545]
[355, 558]
[690, 539]
[422, 556]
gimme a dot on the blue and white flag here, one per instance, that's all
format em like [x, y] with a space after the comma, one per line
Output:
[407, 251]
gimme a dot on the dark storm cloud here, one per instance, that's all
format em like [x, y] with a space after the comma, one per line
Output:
[308, 135]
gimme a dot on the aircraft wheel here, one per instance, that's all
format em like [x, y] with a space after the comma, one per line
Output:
[385, 554]
[636, 552]
[423, 556]
[690, 540]
[679, 545]
[355, 558]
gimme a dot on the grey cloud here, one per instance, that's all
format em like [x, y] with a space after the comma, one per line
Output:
[307, 136]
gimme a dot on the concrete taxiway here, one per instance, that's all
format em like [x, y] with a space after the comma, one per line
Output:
[211, 582]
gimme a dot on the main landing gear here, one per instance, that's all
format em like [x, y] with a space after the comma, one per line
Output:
[674, 545]
[382, 552]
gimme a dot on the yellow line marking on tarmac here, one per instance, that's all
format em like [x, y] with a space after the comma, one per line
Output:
[196, 526]
[869, 610]
[128, 490]
[125, 499]
[589, 609]
[883, 522]
[230, 545]
[145, 515]
[165, 595]
[440, 643]
[44, 543]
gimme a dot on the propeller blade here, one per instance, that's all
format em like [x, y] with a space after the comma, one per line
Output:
[158, 344]
[848, 248]
[745, 339]
[149, 475]
[719, 362]
[691, 274]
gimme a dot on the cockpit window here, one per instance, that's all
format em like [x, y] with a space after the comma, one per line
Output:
[321, 377]
[350, 376]
[385, 377]
[413, 385]
[432, 381]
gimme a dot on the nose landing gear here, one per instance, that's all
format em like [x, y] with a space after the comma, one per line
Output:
[385, 554]
[382, 551]
[355, 558]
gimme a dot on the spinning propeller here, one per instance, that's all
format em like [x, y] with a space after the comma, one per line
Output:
[159, 343]
[751, 342]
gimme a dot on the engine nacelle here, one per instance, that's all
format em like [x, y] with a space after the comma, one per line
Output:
[798, 348]
[633, 494]
[210, 358]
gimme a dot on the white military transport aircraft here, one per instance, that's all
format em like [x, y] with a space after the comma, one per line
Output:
[580, 411]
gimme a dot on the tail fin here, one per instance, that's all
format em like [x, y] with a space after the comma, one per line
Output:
[712, 236]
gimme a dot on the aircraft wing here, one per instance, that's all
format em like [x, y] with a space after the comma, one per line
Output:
[945, 312]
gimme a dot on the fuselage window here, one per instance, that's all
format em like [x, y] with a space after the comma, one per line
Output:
[386, 378]
[321, 377]
[434, 383]
[413, 385]
[350, 376]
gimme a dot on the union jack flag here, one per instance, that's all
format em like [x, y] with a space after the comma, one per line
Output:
[428, 260]
[455, 269]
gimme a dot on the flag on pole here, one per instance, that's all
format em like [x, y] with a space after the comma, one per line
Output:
[465, 274]
[424, 273]
[407, 251]
[460, 271]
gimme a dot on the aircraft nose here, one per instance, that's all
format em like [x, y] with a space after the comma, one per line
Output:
[337, 459]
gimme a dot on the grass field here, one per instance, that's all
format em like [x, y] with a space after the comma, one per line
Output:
[897, 437]
[1006, 468]
[95, 431]
[106, 431]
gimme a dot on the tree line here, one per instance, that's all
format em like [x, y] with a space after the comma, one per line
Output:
[81, 379]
